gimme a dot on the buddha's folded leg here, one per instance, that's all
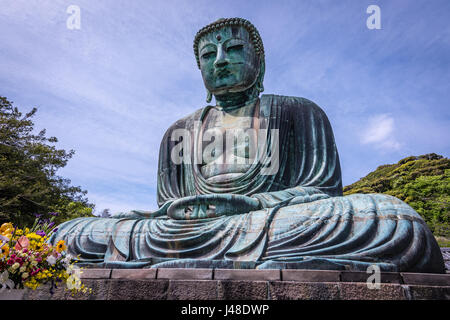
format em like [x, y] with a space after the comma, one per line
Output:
[134, 243]
[86, 238]
[353, 232]
[349, 232]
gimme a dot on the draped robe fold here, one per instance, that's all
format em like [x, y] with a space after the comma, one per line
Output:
[304, 221]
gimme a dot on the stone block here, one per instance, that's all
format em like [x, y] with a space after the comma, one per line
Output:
[99, 287]
[310, 275]
[247, 274]
[429, 279]
[293, 290]
[21, 294]
[360, 276]
[99, 291]
[184, 274]
[192, 290]
[417, 292]
[391, 277]
[125, 289]
[242, 290]
[95, 274]
[138, 274]
[360, 291]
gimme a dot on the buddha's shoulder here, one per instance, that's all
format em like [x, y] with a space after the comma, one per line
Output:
[186, 120]
[293, 103]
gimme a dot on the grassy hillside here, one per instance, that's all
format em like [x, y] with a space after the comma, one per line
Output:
[423, 182]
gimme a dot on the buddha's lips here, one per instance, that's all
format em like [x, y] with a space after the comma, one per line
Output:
[222, 73]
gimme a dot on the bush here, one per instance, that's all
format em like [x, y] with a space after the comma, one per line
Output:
[423, 182]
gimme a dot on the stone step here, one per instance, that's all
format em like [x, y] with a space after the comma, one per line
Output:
[267, 275]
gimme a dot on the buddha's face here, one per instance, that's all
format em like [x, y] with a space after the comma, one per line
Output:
[228, 60]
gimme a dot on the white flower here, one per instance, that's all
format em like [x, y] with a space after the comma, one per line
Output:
[25, 275]
[4, 276]
[15, 266]
[73, 282]
[5, 281]
[69, 269]
[22, 269]
[73, 270]
[51, 260]
[66, 261]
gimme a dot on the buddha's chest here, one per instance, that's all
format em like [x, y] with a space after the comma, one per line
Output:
[224, 121]
[228, 142]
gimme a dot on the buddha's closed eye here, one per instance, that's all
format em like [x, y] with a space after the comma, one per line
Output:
[235, 48]
[208, 55]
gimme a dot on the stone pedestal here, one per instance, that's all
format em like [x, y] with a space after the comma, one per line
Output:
[237, 284]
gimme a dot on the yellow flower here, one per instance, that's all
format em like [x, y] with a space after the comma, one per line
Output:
[4, 251]
[31, 283]
[7, 233]
[61, 246]
[34, 236]
[6, 226]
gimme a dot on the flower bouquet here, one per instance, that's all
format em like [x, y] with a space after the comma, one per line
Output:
[27, 260]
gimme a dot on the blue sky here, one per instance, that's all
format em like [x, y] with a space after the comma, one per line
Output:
[111, 89]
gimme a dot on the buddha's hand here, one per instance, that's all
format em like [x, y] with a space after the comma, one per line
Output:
[140, 214]
[211, 205]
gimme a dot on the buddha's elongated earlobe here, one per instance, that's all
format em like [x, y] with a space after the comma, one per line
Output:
[208, 96]
[259, 86]
[259, 81]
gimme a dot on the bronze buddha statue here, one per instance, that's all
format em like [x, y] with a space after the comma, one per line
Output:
[254, 181]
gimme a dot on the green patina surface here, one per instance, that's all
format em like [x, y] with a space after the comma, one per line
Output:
[281, 207]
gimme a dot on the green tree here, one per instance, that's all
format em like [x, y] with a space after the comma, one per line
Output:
[29, 162]
[423, 182]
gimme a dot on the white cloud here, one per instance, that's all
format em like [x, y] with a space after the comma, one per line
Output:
[380, 132]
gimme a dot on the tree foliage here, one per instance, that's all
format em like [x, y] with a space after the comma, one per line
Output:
[423, 182]
[29, 162]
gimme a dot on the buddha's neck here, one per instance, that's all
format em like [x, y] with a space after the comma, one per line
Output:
[231, 101]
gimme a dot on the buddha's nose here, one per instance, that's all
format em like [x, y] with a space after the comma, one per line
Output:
[221, 60]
